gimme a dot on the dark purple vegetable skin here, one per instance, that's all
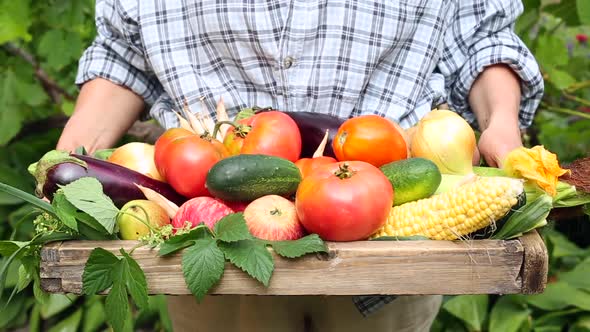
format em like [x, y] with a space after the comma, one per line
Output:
[313, 128]
[118, 182]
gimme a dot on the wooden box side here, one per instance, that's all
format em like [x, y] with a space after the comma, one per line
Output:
[351, 268]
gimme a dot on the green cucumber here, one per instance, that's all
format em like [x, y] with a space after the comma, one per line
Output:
[412, 179]
[246, 177]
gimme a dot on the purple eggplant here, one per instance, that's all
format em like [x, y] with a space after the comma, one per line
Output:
[313, 128]
[60, 168]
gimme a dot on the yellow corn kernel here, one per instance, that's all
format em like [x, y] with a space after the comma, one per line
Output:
[455, 213]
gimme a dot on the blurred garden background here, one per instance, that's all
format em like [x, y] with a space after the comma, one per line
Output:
[40, 44]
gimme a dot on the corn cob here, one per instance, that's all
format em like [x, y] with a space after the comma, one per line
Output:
[455, 213]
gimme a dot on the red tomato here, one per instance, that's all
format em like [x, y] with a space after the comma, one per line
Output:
[162, 143]
[370, 138]
[344, 201]
[186, 161]
[307, 165]
[271, 133]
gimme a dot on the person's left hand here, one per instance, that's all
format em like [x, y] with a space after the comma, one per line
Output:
[495, 142]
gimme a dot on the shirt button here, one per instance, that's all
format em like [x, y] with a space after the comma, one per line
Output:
[288, 62]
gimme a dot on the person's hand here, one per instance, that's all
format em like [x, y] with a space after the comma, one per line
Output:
[495, 142]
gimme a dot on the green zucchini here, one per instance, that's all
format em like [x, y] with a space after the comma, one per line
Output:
[246, 177]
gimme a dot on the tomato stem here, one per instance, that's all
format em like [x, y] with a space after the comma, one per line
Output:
[231, 123]
[344, 172]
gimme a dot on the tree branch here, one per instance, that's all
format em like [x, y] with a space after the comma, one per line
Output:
[51, 87]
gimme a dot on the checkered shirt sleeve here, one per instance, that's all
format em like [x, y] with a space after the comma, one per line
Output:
[116, 54]
[483, 35]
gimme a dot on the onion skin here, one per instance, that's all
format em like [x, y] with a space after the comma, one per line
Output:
[137, 156]
[445, 138]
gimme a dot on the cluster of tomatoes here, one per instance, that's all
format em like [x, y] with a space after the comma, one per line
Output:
[348, 193]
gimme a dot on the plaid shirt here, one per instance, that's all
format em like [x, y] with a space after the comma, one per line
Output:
[398, 59]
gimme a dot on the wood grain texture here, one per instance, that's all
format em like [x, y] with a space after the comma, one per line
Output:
[535, 265]
[364, 267]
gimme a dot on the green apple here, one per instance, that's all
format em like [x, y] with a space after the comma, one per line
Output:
[136, 215]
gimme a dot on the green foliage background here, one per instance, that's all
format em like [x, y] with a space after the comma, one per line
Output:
[41, 41]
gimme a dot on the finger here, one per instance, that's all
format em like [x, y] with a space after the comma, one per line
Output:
[491, 161]
[476, 157]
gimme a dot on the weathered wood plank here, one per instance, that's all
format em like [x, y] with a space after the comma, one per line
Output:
[535, 265]
[364, 267]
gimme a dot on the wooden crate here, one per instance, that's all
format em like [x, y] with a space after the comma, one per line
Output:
[364, 267]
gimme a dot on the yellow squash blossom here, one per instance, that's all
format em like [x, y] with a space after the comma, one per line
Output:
[536, 165]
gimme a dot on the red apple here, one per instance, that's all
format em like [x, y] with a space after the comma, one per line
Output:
[201, 209]
[273, 218]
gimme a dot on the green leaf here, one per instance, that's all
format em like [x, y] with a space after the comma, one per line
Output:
[244, 114]
[12, 177]
[508, 315]
[559, 295]
[117, 302]
[43, 205]
[16, 20]
[232, 228]
[135, 281]
[583, 11]
[179, 242]
[67, 107]
[202, 266]
[70, 324]
[566, 10]
[53, 47]
[11, 117]
[97, 271]
[561, 246]
[551, 51]
[578, 276]
[471, 309]
[7, 248]
[554, 319]
[305, 245]
[30, 92]
[94, 317]
[87, 195]
[55, 304]
[561, 79]
[103, 154]
[581, 325]
[24, 277]
[65, 211]
[10, 312]
[252, 257]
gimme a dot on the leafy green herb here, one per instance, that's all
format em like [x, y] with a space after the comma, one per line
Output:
[87, 195]
[7, 248]
[97, 271]
[135, 281]
[232, 228]
[203, 261]
[202, 265]
[179, 242]
[103, 270]
[305, 245]
[252, 257]
[64, 210]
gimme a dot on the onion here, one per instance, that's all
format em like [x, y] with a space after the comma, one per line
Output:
[446, 139]
[137, 156]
